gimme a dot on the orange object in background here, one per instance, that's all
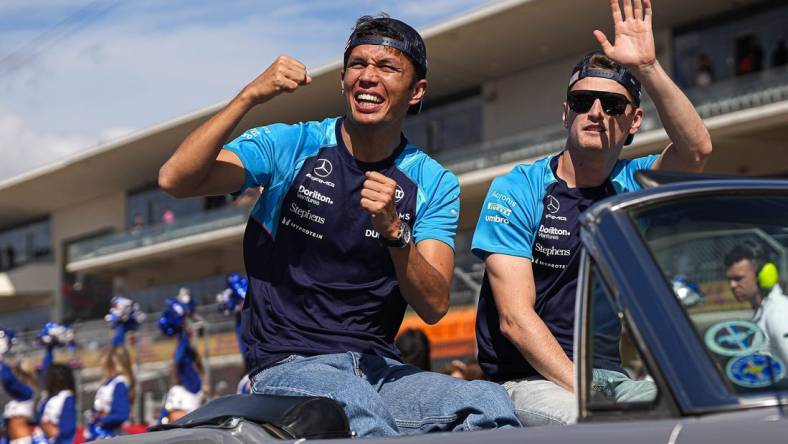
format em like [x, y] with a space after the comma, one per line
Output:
[453, 336]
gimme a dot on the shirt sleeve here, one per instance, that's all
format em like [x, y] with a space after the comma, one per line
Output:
[508, 221]
[625, 177]
[13, 386]
[438, 220]
[777, 329]
[184, 361]
[119, 410]
[255, 148]
[67, 426]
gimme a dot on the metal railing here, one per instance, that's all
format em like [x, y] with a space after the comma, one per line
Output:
[182, 227]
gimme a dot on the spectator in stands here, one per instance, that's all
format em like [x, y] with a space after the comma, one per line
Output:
[528, 231]
[755, 279]
[780, 54]
[57, 415]
[704, 74]
[414, 347]
[138, 223]
[357, 225]
[751, 60]
[10, 257]
[168, 216]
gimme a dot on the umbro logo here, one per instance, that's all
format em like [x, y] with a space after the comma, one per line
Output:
[323, 168]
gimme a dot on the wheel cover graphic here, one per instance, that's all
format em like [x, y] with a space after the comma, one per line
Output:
[734, 338]
[755, 371]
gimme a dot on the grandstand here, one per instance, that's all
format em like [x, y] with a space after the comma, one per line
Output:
[91, 225]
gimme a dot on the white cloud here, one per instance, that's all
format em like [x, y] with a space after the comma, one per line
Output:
[24, 148]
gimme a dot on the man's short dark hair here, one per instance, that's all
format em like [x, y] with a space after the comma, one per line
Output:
[412, 45]
[748, 250]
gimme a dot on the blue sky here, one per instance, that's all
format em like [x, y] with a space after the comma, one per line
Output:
[76, 73]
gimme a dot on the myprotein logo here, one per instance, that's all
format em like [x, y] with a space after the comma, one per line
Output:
[323, 168]
[399, 193]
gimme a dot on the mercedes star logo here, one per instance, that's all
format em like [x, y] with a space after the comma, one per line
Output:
[323, 168]
[552, 204]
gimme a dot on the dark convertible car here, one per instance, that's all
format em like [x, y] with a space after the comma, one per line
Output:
[652, 267]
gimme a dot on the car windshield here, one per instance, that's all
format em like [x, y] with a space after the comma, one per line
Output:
[724, 256]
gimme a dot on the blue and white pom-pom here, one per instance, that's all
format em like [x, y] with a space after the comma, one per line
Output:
[688, 293]
[184, 298]
[7, 340]
[124, 311]
[176, 311]
[231, 298]
[56, 335]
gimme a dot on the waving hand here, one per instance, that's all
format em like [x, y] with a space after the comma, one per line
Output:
[633, 46]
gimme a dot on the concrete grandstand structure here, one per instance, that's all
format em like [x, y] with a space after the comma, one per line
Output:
[497, 79]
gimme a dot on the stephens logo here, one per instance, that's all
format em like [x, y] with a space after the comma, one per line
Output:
[552, 204]
[551, 251]
[323, 168]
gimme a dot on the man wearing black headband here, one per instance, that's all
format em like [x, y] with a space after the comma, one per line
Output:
[528, 231]
[354, 225]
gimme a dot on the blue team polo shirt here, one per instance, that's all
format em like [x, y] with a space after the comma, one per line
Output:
[533, 214]
[319, 279]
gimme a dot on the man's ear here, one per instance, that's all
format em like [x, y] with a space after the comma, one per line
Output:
[565, 114]
[419, 90]
[637, 120]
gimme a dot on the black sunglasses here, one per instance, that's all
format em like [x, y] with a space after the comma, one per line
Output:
[613, 104]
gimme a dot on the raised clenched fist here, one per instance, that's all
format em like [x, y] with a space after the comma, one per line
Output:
[286, 74]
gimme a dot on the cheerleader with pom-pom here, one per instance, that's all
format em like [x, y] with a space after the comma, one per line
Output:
[20, 384]
[112, 404]
[230, 302]
[187, 394]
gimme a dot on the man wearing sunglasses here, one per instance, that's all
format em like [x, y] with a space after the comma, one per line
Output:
[528, 231]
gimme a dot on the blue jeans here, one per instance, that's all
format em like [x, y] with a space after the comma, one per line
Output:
[383, 397]
[542, 402]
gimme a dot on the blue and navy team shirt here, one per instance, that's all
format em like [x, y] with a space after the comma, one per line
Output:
[320, 281]
[531, 213]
